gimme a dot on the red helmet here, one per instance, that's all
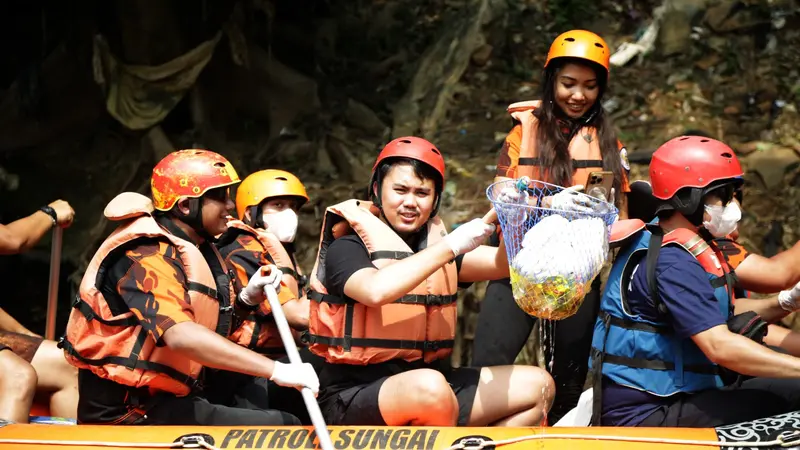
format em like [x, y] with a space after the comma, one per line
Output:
[694, 162]
[189, 173]
[412, 148]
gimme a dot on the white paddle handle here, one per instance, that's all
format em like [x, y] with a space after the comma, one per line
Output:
[294, 357]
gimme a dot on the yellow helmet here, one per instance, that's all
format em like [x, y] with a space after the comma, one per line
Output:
[266, 184]
[580, 44]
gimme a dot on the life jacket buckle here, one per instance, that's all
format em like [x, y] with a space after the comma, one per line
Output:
[195, 385]
[432, 300]
[431, 346]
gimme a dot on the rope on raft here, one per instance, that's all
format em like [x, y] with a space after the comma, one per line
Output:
[186, 442]
[784, 440]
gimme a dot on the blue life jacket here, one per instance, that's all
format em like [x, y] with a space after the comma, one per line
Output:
[644, 354]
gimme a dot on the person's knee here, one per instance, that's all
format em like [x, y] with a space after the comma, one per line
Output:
[18, 377]
[431, 392]
[538, 383]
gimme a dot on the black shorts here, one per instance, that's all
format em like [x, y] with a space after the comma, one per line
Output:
[358, 405]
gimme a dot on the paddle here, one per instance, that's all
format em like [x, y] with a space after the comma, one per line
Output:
[52, 289]
[294, 357]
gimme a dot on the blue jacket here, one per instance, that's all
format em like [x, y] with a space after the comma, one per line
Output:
[644, 354]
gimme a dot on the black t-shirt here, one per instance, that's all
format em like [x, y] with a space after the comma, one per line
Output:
[346, 256]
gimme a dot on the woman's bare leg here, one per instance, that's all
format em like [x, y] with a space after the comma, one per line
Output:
[515, 396]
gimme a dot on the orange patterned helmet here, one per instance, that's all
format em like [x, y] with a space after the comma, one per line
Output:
[189, 173]
[580, 44]
[265, 184]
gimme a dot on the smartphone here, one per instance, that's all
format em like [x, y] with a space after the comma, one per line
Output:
[599, 184]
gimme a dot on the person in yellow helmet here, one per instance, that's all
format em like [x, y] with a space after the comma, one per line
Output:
[270, 200]
[267, 203]
[156, 307]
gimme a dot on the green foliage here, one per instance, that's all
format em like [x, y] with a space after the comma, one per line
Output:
[570, 14]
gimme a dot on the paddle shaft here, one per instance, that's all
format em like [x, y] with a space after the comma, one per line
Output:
[52, 289]
[294, 357]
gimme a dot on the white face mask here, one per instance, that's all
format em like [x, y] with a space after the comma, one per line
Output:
[282, 224]
[724, 219]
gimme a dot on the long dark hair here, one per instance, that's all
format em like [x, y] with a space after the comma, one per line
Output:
[553, 144]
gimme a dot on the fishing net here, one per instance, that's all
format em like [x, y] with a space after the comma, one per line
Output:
[555, 248]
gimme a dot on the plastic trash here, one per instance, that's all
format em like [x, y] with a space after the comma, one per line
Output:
[553, 255]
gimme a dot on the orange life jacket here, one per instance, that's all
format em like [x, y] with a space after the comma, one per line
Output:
[734, 254]
[584, 147]
[258, 331]
[117, 347]
[274, 248]
[419, 325]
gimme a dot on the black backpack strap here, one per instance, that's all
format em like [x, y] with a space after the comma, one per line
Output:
[598, 355]
[653, 249]
[597, 373]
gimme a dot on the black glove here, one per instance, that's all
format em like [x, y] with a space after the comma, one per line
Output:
[751, 326]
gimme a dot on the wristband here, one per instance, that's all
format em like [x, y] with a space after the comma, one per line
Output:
[50, 212]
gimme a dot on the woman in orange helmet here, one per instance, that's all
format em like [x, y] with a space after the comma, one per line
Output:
[561, 139]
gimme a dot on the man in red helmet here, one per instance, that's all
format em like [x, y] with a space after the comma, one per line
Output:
[754, 273]
[662, 340]
[383, 307]
[156, 306]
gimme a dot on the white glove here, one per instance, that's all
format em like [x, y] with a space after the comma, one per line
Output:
[467, 237]
[788, 299]
[255, 291]
[571, 199]
[297, 376]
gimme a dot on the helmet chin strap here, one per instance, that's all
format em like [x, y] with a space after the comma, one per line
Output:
[195, 219]
[582, 121]
[256, 218]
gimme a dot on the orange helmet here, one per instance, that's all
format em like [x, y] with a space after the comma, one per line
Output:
[265, 184]
[189, 173]
[579, 44]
